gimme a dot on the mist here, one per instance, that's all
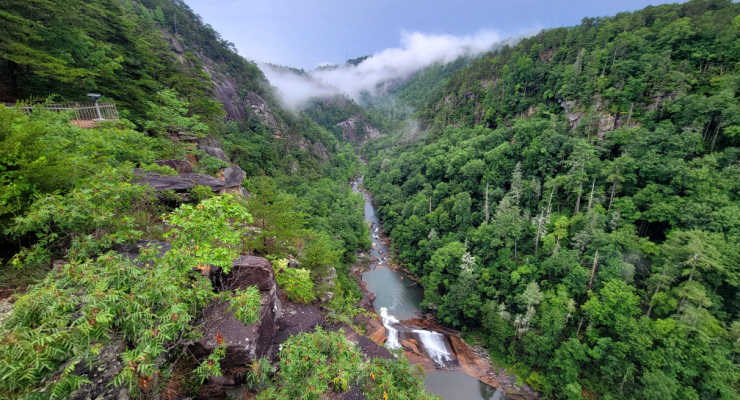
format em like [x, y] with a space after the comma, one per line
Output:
[416, 51]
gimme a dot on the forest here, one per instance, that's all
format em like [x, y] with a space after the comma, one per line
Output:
[72, 208]
[573, 203]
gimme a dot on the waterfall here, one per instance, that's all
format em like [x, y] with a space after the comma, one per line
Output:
[434, 345]
[388, 320]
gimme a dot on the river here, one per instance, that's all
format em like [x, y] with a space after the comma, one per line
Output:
[397, 299]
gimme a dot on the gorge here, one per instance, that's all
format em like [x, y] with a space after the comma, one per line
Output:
[555, 215]
[398, 296]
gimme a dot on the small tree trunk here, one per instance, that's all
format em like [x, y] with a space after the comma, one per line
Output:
[540, 220]
[578, 200]
[714, 138]
[650, 307]
[611, 196]
[486, 211]
[593, 269]
[591, 196]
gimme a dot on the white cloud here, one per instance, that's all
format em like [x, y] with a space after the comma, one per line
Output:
[417, 50]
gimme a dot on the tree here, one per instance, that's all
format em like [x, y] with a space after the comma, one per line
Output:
[278, 222]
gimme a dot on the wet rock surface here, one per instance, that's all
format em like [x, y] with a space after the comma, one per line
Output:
[370, 348]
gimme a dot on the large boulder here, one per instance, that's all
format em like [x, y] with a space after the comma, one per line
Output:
[251, 271]
[232, 176]
[244, 342]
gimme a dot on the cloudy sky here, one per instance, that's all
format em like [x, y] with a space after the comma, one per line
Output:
[306, 33]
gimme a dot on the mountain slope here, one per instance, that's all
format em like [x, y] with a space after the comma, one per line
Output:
[572, 201]
[135, 259]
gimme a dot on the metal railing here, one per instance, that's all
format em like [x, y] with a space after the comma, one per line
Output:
[82, 111]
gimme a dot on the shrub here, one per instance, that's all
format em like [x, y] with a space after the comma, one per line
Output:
[209, 233]
[150, 303]
[296, 282]
[245, 304]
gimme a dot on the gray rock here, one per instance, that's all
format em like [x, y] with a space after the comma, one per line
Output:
[6, 308]
[233, 176]
[181, 166]
[215, 151]
[178, 183]
[107, 366]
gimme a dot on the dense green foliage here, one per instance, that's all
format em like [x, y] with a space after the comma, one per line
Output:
[316, 364]
[60, 183]
[105, 46]
[574, 204]
[296, 282]
[150, 303]
[70, 195]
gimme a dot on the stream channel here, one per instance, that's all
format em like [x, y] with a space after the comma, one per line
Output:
[397, 300]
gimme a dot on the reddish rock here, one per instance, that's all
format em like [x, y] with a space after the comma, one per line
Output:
[375, 330]
[411, 344]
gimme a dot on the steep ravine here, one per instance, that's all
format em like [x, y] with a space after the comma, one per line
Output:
[455, 370]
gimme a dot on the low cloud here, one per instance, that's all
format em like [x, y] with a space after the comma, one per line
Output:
[417, 50]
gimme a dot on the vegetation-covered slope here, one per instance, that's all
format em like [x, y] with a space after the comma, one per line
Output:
[122, 273]
[574, 204]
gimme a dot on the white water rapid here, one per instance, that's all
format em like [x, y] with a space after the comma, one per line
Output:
[388, 321]
[434, 345]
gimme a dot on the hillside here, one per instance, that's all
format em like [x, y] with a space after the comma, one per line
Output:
[199, 245]
[571, 202]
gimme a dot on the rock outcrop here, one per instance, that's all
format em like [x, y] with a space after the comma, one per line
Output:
[178, 183]
[357, 130]
[212, 148]
[228, 181]
[244, 342]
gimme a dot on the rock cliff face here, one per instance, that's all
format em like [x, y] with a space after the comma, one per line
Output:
[357, 131]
